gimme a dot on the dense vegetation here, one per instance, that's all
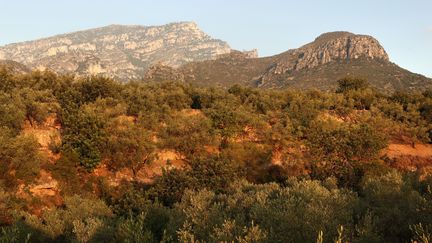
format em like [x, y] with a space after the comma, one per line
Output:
[259, 165]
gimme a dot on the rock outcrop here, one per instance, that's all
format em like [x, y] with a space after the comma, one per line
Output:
[328, 47]
[124, 52]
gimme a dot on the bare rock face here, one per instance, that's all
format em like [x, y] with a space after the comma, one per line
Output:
[124, 52]
[251, 54]
[328, 47]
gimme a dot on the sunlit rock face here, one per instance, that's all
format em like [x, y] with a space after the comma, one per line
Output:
[124, 52]
[326, 48]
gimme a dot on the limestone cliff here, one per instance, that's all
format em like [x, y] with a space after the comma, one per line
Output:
[124, 52]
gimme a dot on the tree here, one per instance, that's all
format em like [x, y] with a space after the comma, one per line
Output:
[84, 132]
[426, 110]
[12, 112]
[227, 120]
[337, 149]
[347, 142]
[7, 81]
[128, 145]
[95, 87]
[302, 112]
[187, 134]
[38, 104]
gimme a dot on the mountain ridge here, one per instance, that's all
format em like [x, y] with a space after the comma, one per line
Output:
[182, 51]
[121, 51]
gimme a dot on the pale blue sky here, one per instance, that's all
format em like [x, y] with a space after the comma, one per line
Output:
[404, 27]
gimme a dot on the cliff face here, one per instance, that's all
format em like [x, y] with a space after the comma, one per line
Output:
[328, 47]
[338, 46]
[125, 52]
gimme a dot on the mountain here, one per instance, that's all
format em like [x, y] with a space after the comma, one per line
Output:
[124, 52]
[318, 64]
[181, 51]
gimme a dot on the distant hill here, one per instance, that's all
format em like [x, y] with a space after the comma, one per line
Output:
[318, 64]
[124, 52]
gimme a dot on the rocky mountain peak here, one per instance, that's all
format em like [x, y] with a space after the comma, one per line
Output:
[121, 51]
[329, 47]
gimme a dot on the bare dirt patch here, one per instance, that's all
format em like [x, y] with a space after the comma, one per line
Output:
[406, 157]
[45, 189]
[418, 150]
[165, 160]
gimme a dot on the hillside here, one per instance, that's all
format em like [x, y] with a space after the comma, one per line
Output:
[118, 51]
[318, 64]
[97, 160]
[14, 67]
[227, 70]
[383, 75]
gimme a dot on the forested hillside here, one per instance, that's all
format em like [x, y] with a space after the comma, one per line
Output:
[91, 159]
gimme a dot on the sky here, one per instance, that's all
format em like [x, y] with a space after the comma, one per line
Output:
[403, 27]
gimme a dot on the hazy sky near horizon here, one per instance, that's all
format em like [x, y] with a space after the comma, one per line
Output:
[403, 27]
